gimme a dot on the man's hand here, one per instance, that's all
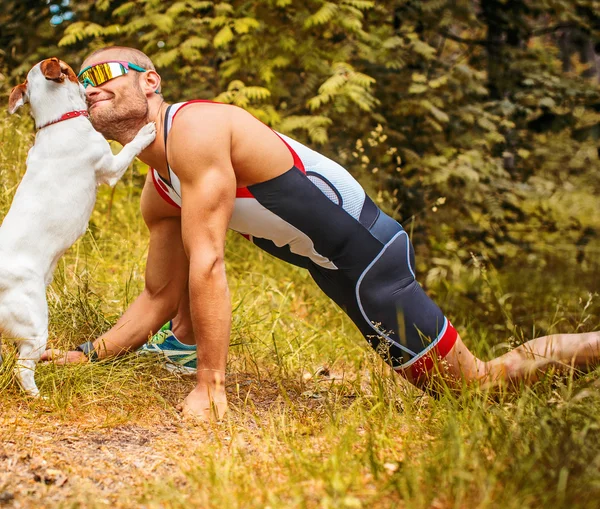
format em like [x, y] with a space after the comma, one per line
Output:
[206, 402]
[64, 357]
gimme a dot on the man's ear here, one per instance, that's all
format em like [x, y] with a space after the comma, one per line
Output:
[153, 81]
[51, 69]
[18, 97]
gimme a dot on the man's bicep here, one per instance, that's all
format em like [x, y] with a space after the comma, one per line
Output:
[200, 155]
[167, 264]
[208, 203]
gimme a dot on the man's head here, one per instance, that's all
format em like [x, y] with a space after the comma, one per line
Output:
[120, 106]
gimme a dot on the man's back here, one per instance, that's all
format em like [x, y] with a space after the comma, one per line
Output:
[257, 153]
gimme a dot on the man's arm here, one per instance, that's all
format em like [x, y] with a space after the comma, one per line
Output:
[166, 279]
[200, 153]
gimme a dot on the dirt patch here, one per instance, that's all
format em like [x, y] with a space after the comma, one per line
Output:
[45, 467]
[45, 463]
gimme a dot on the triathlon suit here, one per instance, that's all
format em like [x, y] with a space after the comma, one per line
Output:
[317, 216]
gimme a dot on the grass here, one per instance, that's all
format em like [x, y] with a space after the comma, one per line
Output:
[316, 420]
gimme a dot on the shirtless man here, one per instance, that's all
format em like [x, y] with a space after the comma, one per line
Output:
[214, 167]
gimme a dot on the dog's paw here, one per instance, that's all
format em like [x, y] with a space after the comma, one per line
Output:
[32, 392]
[145, 135]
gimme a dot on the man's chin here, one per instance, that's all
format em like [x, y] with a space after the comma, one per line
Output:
[116, 122]
[100, 125]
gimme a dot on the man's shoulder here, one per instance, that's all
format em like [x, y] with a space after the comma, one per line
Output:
[201, 133]
[204, 115]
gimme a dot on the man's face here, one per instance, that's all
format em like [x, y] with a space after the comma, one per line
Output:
[118, 106]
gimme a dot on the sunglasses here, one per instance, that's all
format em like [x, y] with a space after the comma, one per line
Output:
[99, 74]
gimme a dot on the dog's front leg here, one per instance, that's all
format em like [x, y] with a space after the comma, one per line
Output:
[30, 351]
[25, 314]
[113, 166]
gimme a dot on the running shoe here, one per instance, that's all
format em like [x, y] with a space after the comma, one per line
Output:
[179, 358]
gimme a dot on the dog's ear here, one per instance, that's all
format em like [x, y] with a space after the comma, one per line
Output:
[18, 97]
[70, 73]
[51, 69]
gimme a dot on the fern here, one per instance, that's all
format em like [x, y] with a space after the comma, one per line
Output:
[113, 30]
[315, 126]
[219, 21]
[195, 42]
[151, 36]
[323, 15]
[229, 68]
[163, 22]
[68, 40]
[423, 49]
[362, 80]
[125, 9]
[439, 115]
[138, 24]
[363, 5]
[190, 54]
[333, 84]
[266, 114]
[353, 12]
[256, 93]
[240, 95]
[223, 37]
[353, 25]
[223, 8]
[244, 25]
[177, 8]
[166, 58]
[199, 5]
[102, 5]
[393, 42]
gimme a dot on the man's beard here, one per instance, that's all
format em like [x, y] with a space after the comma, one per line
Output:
[124, 121]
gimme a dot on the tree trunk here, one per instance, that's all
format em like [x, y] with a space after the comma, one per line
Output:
[492, 14]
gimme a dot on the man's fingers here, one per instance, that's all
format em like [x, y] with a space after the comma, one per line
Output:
[64, 357]
[55, 355]
[50, 354]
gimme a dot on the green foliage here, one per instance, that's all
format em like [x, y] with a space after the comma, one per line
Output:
[513, 181]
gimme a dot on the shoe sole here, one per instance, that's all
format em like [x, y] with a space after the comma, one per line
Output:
[179, 369]
[169, 365]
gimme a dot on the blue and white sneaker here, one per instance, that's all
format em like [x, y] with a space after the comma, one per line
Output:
[179, 358]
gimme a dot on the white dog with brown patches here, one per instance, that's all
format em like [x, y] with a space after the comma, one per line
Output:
[53, 202]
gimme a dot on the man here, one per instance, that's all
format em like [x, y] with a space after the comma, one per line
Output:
[214, 166]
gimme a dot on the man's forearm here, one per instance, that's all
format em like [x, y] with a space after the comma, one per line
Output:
[210, 305]
[143, 318]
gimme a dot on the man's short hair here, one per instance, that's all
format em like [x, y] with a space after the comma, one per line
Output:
[135, 56]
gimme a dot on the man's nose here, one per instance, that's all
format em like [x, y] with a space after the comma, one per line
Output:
[91, 91]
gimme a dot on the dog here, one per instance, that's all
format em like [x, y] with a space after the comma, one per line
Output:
[53, 203]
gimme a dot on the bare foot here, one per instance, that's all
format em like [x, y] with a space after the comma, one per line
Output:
[204, 403]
